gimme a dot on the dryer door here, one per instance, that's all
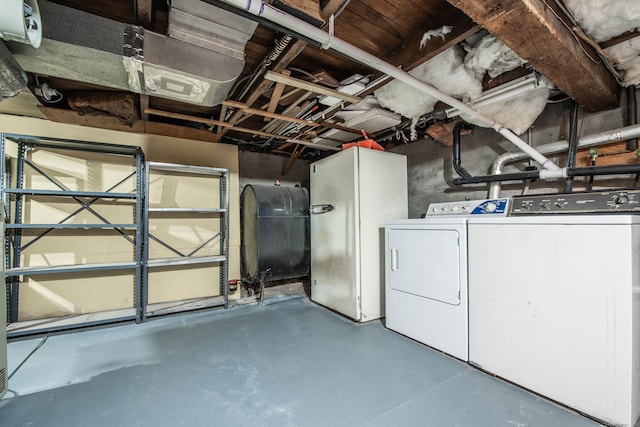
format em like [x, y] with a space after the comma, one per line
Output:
[426, 262]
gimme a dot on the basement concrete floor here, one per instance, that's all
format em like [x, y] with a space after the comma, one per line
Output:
[287, 363]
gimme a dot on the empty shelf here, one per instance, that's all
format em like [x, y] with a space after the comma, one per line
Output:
[201, 170]
[163, 262]
[47, 269]
[187, 210]
[102, 194]
[71, 226]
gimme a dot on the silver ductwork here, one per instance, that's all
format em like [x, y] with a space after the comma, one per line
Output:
[197, 63]
[12, 77]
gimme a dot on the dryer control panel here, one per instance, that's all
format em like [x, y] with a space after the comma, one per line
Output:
[497, 207]
[592, 202]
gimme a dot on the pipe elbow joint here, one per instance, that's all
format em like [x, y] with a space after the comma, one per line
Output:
[548, 174]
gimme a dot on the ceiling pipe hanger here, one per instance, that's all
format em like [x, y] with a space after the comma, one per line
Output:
[327, 40]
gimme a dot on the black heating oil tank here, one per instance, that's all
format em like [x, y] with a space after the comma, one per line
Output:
[275, 232]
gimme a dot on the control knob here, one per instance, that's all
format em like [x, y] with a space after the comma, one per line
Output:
[490, 207]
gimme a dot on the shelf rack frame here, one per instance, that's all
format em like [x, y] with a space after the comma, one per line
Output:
[13, 226]
[181, 259]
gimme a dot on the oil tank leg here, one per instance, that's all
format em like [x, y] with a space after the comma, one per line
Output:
[263, 275]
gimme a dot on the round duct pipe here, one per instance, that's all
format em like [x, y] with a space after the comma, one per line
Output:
[20, 21]
[12, 77]
[274, 228]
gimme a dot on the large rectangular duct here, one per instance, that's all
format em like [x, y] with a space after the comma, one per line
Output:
[83, 47]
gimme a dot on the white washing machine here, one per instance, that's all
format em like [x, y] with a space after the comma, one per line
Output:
[554, 301]
[426, 274]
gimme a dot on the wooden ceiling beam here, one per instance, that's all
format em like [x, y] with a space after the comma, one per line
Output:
[267, 114]
[276, 95]
[296, 47]
[210, 122]
[536, 32]
[113, 123]
[144, 12]
[305, 85]
[246, 109]
[298, 149]
[330, 7]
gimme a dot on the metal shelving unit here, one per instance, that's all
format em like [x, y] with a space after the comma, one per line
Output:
[137, 232]
[191, 258]
[14, 225]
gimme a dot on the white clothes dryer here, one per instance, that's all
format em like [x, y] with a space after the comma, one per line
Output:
[426, 274]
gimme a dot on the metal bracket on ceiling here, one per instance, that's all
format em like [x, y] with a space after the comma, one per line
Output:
[327, 45]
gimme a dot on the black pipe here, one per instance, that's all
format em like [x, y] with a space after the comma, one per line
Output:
[590, 184]
[518, 176]
[632, 115]
[604, 170]
[573, 145]
[457, 160]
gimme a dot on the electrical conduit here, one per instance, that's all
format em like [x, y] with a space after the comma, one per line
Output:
[329, 41]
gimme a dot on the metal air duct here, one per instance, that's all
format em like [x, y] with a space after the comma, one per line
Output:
[12, 78]
[83, 47]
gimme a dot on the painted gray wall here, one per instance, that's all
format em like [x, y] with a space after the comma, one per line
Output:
[262, 168]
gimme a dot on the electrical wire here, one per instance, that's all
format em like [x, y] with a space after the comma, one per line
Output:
[329, 84]
[558, 101]
[315, 78]
[40, 344]
[238, 83]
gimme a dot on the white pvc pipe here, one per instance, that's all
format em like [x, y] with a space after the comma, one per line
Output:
[328, 41]
[606, 137]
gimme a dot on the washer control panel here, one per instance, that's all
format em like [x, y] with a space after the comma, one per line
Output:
[619, 201]
[496, 207]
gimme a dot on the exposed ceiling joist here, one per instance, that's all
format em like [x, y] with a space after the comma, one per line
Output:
[113, 123]
[330, 7]
[246, 109]
[210, 122]
[144, 11]
[281, 63]
[294, 155]
[296, 47]
[534, 31]
[305, 85]
[276, 95]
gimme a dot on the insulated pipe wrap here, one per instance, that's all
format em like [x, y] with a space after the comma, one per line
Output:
[12, 77]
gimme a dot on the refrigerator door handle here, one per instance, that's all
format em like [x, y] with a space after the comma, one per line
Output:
[394, 259]
[320, 209]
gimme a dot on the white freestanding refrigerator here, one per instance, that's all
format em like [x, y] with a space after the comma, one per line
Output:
[353, 193]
